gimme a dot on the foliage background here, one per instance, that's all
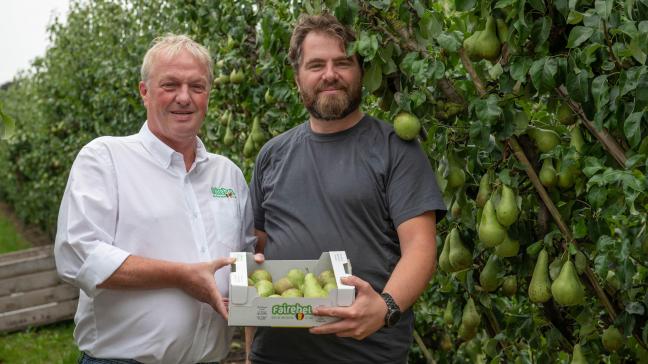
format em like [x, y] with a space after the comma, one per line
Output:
[86, 86]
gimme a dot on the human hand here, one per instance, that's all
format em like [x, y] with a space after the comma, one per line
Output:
[364, 317]
[259, 258]
[199, 283]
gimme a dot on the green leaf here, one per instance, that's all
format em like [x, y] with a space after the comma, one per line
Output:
[448, 42]
[495, 71]
[578, 35]
[600, 91]
[574, 17]
[380, 4]
[604, 8]
[373, 76]
[637, 46]
[430, 25]
[632, 128]
[578, 86]
[542, 74]
[488, 109]
[519, 68]
[464, 5]
[635, 308]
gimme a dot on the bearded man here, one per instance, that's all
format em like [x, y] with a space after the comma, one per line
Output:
[343, 180]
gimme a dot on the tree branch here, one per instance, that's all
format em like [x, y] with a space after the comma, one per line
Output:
[609, 143]
[481, 90]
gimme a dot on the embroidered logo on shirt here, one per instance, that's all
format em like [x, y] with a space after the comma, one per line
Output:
[222, 192]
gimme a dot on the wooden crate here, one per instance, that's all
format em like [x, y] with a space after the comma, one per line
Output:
[31, 293]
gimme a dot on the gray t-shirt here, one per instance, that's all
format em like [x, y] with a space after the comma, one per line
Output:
[348, 191]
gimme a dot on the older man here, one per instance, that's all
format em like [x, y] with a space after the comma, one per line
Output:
[343, 180]
[146, 220]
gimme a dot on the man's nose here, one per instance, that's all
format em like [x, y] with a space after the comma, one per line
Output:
[183, 97]
[330, 73]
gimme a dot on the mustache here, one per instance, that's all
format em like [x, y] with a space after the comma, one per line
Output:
[326, 85]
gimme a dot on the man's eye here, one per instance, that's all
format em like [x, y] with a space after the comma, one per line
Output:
[168, 85]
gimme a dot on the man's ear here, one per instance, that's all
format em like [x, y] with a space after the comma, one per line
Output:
[143, 90]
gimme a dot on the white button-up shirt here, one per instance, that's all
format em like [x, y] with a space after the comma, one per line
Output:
[133, 195]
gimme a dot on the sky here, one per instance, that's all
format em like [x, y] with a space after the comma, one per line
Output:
[23, 32]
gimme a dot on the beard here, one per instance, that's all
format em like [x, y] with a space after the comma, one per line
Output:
[335, 106]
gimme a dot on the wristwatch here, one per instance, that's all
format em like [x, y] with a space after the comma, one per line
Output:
[393, 311]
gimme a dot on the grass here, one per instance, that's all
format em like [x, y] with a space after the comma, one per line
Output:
[10, 240]
[52, 344]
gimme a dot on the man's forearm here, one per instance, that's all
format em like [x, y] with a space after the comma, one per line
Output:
[418, 260]
[144, 273]
[410, 277]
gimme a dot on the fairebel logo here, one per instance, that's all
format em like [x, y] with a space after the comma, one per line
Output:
[223, 192]
[297, 310]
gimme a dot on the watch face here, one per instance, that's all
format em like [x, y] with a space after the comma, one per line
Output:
[394, 316]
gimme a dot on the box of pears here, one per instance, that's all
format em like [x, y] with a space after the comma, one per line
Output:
[283, 293]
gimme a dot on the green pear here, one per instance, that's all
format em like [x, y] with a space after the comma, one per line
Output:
[507, 210]
[296, 277]
[459, 256]
[250, 282]
[576, 139]
[502, 31]
[565, 115]
[283, 284]
[470, 318]
[545, 140]
[612, 339]
[577, 355]
[248, 148]
[491, 233]
[327, 276]
[312, 287]
[580, 261]
[229, 138]
[567, 289]
[224, 118]
[547, 175]
[456, 175]
[444, 257]
[484, 44]
[508, 248]
[448, 314]
[257, 133]
[568, 171]
[274, 295]
[484, 190]
[509, 286]
[292, 292]
[264, 288]
[539, 288]
[329, 286]
[260, 275]
[488, 279]
[269, 99]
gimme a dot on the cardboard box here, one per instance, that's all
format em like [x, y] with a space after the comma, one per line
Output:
[247, 308]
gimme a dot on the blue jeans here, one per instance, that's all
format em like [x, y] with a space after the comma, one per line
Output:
[87, 359]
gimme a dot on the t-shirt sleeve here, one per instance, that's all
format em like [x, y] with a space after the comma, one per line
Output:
[256, 193]
[411, 187]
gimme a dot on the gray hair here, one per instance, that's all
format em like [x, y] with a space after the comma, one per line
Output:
[171, 45]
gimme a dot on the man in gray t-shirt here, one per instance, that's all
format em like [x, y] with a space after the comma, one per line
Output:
[344, 181]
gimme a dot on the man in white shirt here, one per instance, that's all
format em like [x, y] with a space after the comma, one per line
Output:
[146, 221]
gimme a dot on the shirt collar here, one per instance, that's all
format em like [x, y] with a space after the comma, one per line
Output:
[162, 152]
